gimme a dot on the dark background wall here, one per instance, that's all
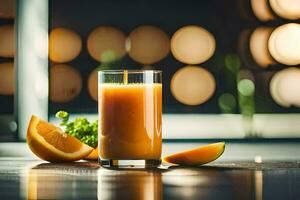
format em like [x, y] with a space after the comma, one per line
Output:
[226, 20]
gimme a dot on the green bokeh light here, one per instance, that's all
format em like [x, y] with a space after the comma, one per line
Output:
[246, 87]
[227, 103]
[109, 55]
[232, 63]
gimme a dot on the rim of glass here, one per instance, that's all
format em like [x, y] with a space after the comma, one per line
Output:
[129, 71]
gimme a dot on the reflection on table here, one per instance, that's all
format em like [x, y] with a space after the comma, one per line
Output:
[86, 180]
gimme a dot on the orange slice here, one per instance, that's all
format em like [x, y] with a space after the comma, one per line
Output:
[93, 155]
[197, 156]
[50, 143]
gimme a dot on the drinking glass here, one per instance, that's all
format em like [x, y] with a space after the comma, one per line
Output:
[130, 118]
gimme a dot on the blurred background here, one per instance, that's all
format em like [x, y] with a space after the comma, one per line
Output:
[230, 68]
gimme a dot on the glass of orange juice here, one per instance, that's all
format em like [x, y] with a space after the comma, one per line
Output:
[130, 118]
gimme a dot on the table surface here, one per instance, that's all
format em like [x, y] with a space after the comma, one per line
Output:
[28, 178]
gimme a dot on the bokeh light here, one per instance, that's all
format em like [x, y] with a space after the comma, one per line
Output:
[106, 44]
[7, 78]
[65, 83]
[288, 9]
[261, 10]
[274, 89]
[285, 87]
[245, 74]
[232, 63]
[284, 44]
[246, 87]
[192, 44]
[64, 45]
[93, 84]
[259, 46]
[227, 103]
[246, 91]
[7, 41]
[148, 44]
[193, 85]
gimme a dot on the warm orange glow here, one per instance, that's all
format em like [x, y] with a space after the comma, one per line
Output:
[285, 87]
[259, 46]
[64, 45]
[7, 78]
[192, 44]
[289, 9]
[65, 83]
[136, 184]
[148, 44]
[7, 8]
[192, 85]
[284, 44]
[106, 44]
[93, 85]
[7, 41]
[261, 10]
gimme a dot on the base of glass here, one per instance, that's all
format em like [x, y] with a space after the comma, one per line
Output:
[112, 163]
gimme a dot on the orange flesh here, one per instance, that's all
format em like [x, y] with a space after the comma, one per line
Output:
[50, 143]
[130, 121]
[197, 156]
[57, 138]
[44, 127]
[93, 155]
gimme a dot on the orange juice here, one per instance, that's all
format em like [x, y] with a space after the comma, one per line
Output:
[130, 118]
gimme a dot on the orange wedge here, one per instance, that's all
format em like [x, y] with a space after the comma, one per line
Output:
[197, 156]
[93, 155]
[50, 143]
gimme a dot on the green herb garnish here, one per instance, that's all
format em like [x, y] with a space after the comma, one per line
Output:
[80, 128]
